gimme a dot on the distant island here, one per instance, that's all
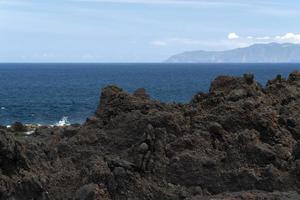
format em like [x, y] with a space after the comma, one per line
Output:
[257, 53]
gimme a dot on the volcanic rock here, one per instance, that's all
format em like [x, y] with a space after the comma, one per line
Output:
[18, 127]
[238, 141]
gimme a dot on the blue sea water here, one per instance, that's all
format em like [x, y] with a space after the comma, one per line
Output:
[44, 93]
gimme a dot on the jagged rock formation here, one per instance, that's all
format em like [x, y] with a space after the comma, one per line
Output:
[239, 141]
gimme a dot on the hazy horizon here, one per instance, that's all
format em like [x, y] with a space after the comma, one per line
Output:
[138, 31]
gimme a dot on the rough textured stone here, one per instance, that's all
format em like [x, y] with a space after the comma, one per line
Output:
[238, 141]
[18, 127]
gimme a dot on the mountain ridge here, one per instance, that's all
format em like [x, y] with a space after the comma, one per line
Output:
[256, 53]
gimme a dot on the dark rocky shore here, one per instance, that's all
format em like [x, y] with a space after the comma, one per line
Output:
[239, 141]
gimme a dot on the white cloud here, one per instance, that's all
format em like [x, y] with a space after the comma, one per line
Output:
[288, 37]
[232, 36]
[159, 43]
[177, 41]
[185, 41]
[263, 38]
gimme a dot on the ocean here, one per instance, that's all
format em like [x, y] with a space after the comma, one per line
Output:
[47, 93]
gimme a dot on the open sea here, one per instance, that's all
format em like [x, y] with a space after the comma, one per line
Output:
[45, 93]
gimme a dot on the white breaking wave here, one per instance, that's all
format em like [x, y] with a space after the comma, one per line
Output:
[63, 122]
[3, 108]
[29, 132]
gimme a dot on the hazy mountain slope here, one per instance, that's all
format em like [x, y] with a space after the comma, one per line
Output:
[268, 53]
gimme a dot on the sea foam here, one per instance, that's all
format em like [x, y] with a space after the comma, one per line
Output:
[63, 122]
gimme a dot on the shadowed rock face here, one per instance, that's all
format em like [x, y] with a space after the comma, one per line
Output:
[239, 141]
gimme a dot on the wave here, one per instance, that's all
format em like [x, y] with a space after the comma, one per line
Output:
[29, 132]
[63, 122]
[3, 108]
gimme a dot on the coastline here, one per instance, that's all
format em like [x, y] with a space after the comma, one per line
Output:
[238, 141]
[20, 130]
[30, 98]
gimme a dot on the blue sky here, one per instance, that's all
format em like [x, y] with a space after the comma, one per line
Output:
[138, 30]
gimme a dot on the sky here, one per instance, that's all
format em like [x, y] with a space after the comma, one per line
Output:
[139, 30]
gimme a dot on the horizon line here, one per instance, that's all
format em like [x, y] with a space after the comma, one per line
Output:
[2, 63]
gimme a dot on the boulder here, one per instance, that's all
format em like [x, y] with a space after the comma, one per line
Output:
[91, 192]
[294, 76]
[18, 127]
[141, 93]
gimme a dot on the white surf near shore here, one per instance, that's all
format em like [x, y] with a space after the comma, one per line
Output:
[29, 132]
[63, 122]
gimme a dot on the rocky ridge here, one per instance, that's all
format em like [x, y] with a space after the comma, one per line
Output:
[238, 141]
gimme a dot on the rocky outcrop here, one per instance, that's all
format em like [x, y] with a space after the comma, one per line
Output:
[238, 141]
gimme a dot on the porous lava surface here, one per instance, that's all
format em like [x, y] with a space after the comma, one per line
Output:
[239, 141]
